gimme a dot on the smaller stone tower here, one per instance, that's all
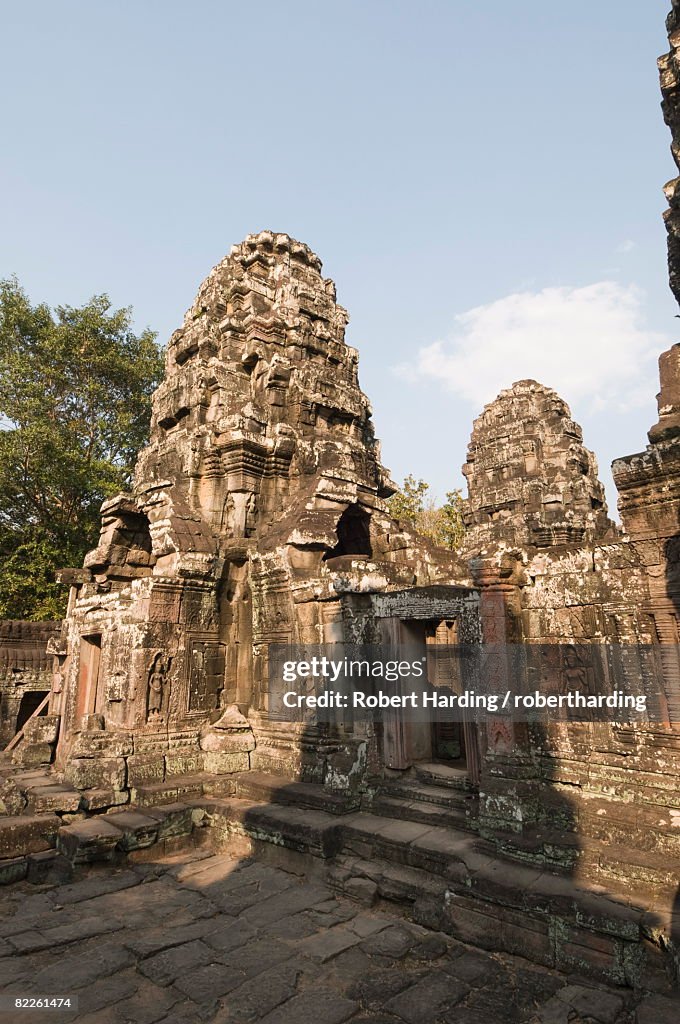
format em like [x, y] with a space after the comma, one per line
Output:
[532, 483]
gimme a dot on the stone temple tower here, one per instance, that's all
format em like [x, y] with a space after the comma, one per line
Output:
[669, 70]
[257, 508]
[261, 395]
[531, 481]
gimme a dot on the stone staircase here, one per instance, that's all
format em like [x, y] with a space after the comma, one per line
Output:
[431, 794]
[414, 845]
[450, 879]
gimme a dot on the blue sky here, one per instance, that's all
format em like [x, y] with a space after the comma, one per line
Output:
[482, 181]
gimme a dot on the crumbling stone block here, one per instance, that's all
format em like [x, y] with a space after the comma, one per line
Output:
[183, 762]
[99, 799]
[139, 830]
[86, 841]
[145, 768]
[96, 773]
[32, 754]
[27, 833]
[171, 820]
[42, 729]
[13, 869]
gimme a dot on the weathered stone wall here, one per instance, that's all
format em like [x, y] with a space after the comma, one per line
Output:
[561, 572]
[25, 668]
[258, 515]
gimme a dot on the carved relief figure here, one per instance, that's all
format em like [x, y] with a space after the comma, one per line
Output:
[156, 687]
[574, 673]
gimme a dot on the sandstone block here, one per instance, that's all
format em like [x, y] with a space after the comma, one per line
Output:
[42, 729]
[53, 798]
[100, 743]
[171, 820]
[139, 830]
[96, 773]
[183, 763]
[49, 866]
[32, 754]
[228, 743]
[95, 839]
[223, 764]
[98, 799]
[14, 869]
[12, 800]
[26, 833]
[145, 768]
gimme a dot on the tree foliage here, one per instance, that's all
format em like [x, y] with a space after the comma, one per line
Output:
[443, 524]
[409, 503]
[75, 402]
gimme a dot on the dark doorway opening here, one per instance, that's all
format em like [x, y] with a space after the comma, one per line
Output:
[353, 533]
[30, 702]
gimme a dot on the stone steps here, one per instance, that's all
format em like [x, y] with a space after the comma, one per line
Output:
[450, 879]
[624, 869]
[300, 829]
[430, 793]
[106, 837]
[261, 787]
[21, 834]
[389, 806]
[650, 828]
[178, 788]
[456, 882]
[629, 870]
[441, 796]
[433, 773]
[40, 791]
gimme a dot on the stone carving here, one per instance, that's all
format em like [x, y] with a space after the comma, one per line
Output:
[258, 515]
[669, 71]
[574, 671]
[206, 676]
[531, 481]
[156, 688]
[230, 733]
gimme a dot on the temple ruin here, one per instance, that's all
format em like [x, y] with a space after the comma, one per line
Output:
[259, 517]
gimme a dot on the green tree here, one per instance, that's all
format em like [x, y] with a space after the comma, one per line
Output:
[75, 402]
[409, 503]
[451, 522]
[443, 524]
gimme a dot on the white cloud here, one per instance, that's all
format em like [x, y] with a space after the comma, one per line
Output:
[590, 344]
[626, 246]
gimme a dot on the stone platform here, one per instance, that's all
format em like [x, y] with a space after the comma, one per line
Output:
[199, 936]
[441, 876]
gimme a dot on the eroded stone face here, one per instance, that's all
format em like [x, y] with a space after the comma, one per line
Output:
[258, 516]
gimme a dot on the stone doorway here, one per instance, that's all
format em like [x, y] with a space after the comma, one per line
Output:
[88, 675]
[30, 702]
[406, 743]
[448, 738]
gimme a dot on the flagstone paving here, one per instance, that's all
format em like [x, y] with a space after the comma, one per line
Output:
[201, 937]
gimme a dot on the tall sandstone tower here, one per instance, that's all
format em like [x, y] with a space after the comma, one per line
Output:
[258, 505]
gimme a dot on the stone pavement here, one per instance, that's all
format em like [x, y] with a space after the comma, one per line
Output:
[202, 937]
